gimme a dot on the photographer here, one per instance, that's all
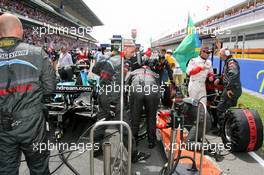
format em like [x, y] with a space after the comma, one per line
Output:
[166, 75]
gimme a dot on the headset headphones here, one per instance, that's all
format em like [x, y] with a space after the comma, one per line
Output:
[227, 52]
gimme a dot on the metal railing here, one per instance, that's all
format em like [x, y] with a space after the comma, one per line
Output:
[121, 147]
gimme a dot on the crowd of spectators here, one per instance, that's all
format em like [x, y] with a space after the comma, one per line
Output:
[234, 12]
[225, 14]
[17, 6]
[53, 41]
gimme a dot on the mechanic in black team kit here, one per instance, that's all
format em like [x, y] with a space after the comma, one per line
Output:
[26, 76]
[109, 70]
[232, 86]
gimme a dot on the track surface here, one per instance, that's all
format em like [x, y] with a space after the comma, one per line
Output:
[233, 164]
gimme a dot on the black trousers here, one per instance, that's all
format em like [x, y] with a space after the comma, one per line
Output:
[25, 138]
[138, 100]
[225, 103]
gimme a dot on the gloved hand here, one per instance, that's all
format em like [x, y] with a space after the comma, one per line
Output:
[161, 123]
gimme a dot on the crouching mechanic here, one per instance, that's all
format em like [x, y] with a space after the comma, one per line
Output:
[144, 91]
[109, 70]
[26, 76]
[232, 85]
[199, 69]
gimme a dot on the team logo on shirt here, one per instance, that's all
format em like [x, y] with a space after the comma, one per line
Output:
[17, 61]
[13, 54]
[16, 89]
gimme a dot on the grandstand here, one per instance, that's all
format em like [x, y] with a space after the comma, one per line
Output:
[239, 28]
[54, 22]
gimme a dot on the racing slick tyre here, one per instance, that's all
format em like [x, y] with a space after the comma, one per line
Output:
[243, 130]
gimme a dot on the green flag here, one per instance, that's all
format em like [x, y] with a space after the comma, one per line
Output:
[189, 47]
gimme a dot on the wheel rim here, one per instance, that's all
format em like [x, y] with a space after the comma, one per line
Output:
[228, 131]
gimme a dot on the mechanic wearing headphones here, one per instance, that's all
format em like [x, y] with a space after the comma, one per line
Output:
[109, 70]
[26, 76]
[232, 85]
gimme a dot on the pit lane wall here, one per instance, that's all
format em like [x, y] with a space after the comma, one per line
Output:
[251, 73]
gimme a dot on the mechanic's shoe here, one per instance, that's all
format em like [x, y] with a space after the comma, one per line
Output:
[140, 156]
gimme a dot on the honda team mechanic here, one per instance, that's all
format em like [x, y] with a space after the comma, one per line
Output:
[26, 75]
